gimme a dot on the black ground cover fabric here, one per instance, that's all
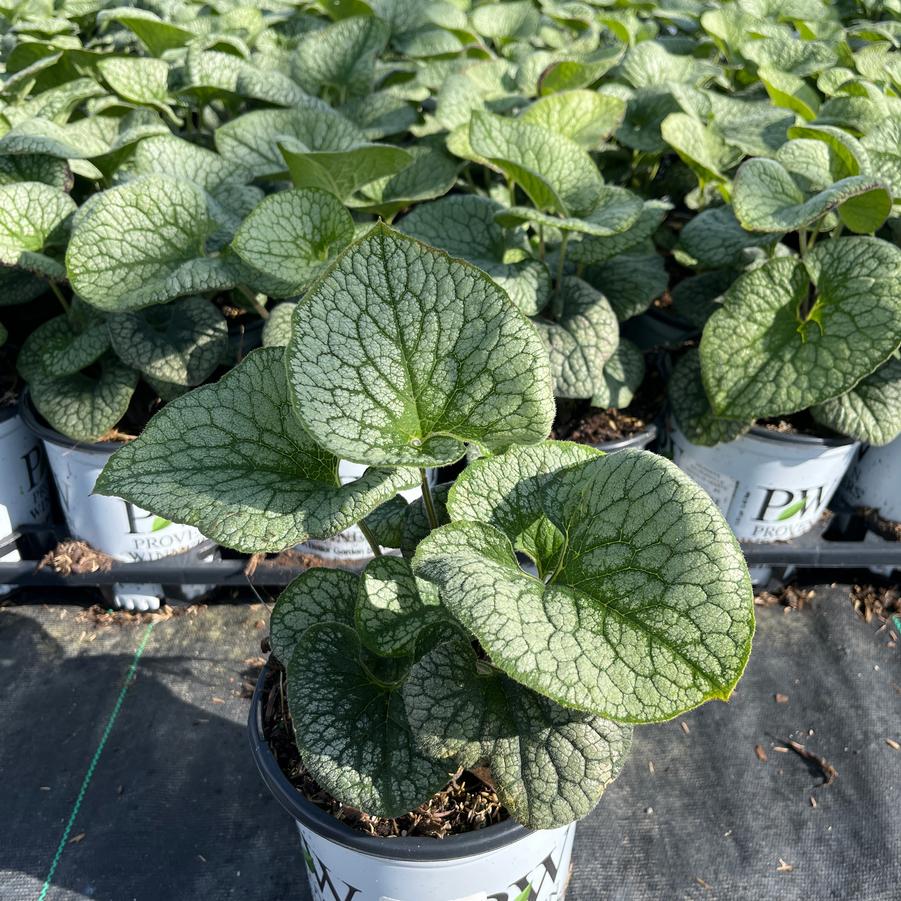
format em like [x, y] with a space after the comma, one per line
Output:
[175, 809]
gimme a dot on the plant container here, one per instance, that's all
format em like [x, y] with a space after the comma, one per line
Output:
[770, 486]
[873, 480]
[640, 441]
[351, 544]
[115, 527]
[24, 479]
[505, 862]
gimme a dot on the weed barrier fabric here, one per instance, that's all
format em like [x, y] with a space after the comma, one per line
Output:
[174, 808]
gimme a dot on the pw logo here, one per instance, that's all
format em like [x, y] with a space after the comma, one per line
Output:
[781, 504]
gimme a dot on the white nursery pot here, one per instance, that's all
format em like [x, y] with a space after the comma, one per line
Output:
[506, 862]
[24, 479]
[874, 480]
[351, 544]
[639, 441]
[770, 486]
[116, 527]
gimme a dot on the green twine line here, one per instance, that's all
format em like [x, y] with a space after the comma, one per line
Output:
[89, 775]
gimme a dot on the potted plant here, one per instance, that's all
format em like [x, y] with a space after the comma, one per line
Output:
[768, 411]
[452, 657]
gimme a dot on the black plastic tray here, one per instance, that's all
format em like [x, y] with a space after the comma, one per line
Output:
[826, 547]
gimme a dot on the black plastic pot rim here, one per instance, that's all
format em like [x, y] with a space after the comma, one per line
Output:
[639, 439]
[454, 847]
[797, 438]
[7, 411]
[48, 433]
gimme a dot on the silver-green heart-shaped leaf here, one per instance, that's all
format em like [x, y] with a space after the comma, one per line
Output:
[691, 408]
[623, 375]
[319, 595]
[401, 355]
[289, 238]
[180, 343]
[649, 64]
[394, 607]
[277, 328]
[342, 54]
[157, 34]
[464, 225]
[34, 167]
[59, 347]
[870, 411]
[615, 212]
[31, 213]
[787, 53]
[500, 21]
[351, 726]
[581, 340]
[883, 146]
[630, 282]
[700, 148]
[556, 173]
[432, 174]
[715, 238]
[232, 459]
[76, 141]
[755, 127]
[85, 407]
[648, 613]
[138, 79]
[596, 250]
[253, 139]
[550, 765]
[847, 155]
[505, 491]
[386, 523]
[764, 354]
[790, 92]
[215, 75]
[178, 158]
[142, 244]
[586, 117]
[570, 74]
[766, 198]
[343, 172]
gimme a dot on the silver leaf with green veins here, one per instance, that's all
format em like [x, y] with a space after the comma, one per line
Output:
[691, 408]
[766, 198]
[30, 214]
[352, 729]
[85, 407]
[394, 607]
[648, 613]
[400, 355]
[871, 410]
[232, 459]
[550, 765]
[180, 343]
[506, 492]
[760, 357]
[319, 595]
[142, 244]
[581, 341]
[623, 374]
[57, 347]
[291, 236]
[556, 173]
[464, 225]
